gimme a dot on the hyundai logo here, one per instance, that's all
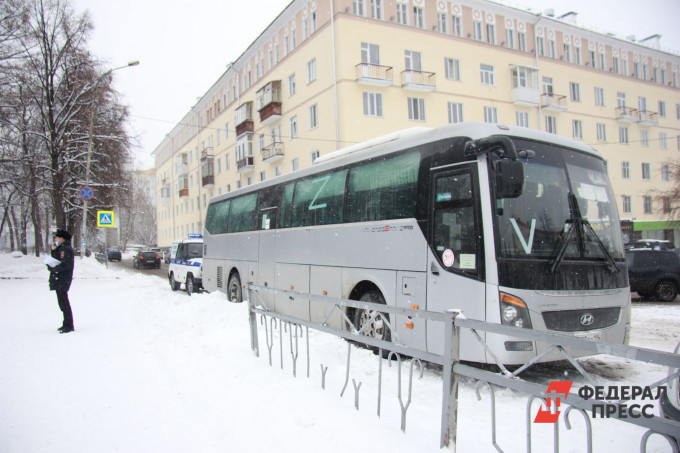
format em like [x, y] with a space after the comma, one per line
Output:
[587, 319]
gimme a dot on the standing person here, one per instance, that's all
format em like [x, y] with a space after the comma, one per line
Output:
[61, 276]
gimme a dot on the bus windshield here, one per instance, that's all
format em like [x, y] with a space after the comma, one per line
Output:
[537, 223]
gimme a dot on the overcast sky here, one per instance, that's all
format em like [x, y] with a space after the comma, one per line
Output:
[184, 47]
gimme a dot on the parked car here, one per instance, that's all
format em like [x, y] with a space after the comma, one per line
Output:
[186, 265]
[651, 244]
[146, 259]
[113, 254]
[654, 273]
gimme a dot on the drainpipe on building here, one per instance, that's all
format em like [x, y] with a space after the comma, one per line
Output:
[538, 72]
[335, 78]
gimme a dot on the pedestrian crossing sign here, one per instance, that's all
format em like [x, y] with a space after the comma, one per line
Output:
[105, 219]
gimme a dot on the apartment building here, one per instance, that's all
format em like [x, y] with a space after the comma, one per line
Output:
[328, 74]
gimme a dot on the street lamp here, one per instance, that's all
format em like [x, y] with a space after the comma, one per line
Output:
[83, 233]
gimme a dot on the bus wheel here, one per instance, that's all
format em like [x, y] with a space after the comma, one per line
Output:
[234, 292]
[665, 291]
[173, 284]
[378, 328]
[190, 285]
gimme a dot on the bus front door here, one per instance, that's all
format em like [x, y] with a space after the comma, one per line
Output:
[455, 278]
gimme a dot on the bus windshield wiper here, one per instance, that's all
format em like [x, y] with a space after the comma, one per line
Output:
[576, 223]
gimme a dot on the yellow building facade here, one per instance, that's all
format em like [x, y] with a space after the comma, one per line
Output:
[329, 74]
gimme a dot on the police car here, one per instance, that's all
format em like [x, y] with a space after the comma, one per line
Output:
[186, 264]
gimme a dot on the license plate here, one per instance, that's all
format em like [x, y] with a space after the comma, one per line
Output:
[595, 335]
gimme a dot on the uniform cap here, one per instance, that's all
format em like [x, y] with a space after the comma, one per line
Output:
[63, 234]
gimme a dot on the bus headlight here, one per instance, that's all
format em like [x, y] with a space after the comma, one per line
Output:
[514, 312]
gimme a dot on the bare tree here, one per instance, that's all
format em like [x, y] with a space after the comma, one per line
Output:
[669, 199]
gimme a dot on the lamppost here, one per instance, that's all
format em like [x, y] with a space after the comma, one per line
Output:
[83, 233]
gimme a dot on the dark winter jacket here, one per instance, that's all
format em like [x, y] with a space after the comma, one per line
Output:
[61, 275]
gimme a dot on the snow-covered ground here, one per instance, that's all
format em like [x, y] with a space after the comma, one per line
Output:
[149, 370]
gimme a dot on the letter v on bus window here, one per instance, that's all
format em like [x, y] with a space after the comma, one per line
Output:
[526, 245]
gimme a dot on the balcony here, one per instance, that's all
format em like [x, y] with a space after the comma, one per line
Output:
[269, 102]
[647, 118]
[273, 152]
[374, 75]
[418, 80]
[245, 164]
[627, 115]
[183, 185]
[244, 119]
[207, 169]
[553, 102]
[525, 91]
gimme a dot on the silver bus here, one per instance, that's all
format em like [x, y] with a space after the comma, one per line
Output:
[508, 224]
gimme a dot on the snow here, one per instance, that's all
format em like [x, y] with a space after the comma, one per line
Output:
[149, 370]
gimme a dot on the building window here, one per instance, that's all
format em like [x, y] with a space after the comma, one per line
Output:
[599, 96]
[315, 155]
[263, 175]
[663, 140]
[644, 138]
[372, 104]
[452, 68]
[551, 124]
[677, 111]
[623, 135]
[615, 65]
[602, 132]
[261, 143]
[646, 173]
[313, 116]
[552, 52]
[477, 27]
[291, 85]
[377, 9]
[418, 17]
[521, 41]
[358, 7]
[567, 53]
[593, 63]
[540, 46]
[295, 164]
[625, 204]
[647, 204]
[455, 112]
[490, 114]
[603, 62]
[577, 129]
[625, 170]
[416, 109]
[311, 71]
[491, 33]
[442, 23]
[402, 13]
[662, 109]
[577, 55]
[487, 74]
[510, 38]
[665, 172]
[575, 92]
[666, 205]
[293, 127]
[522, 119]
[456, 26]
[277, 170]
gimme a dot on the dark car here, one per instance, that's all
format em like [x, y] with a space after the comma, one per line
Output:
[654, 273]
[146, 259]
[114, 254]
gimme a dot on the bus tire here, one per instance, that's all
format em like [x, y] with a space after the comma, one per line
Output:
[190, 286]
[234, 291]
[173, 284]
[665, 291]
[378, 329]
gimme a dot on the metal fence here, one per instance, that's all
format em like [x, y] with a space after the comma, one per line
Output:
[453, 370]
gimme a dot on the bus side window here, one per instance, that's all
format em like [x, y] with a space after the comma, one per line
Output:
[287, 206]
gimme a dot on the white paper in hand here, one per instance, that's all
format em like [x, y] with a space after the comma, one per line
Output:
[51, 262]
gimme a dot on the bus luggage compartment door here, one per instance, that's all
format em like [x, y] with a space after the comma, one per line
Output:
[293, 277]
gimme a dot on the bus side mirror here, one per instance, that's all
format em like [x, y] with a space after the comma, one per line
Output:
[509, 178]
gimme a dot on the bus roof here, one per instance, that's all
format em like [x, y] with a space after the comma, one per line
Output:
[408, 138]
